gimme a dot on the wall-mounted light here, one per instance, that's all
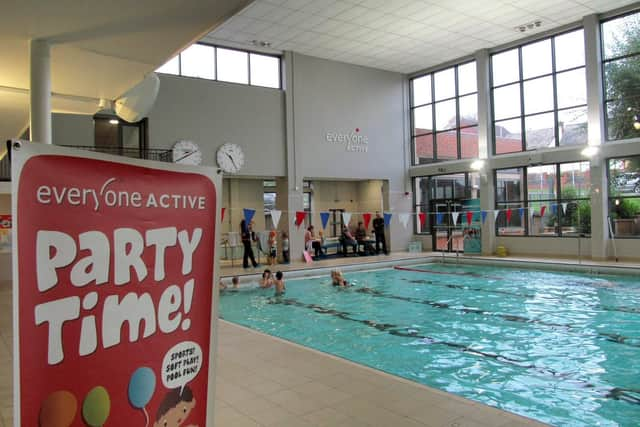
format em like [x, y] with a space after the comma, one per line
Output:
[477, 165]
[114, 121]
[590, 151]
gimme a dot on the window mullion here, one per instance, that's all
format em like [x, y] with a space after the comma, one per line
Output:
[554, 80]
[522, 128]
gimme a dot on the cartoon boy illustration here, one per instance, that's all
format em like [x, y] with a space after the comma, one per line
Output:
[175, 408]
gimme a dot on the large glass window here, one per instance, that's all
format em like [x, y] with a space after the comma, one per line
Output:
[229, 65]
[546, 200]
[621, 71]
[624, 196]
[444, 110]
[539, 94]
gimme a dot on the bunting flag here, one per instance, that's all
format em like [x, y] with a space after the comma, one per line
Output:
[300, 215]
[222, 214]
[483, 214]
[367, 219]
[521, 213]
[248, 214]
[542, 209]
[495, 214]
[469, 217]
[439, 217]
[509, 215]
[346, 218]
[423, 218]
[275, 217]
[387, 218]
[404, 219]
[564, 208]
[455, 216]
[554, 209]
[324, 217]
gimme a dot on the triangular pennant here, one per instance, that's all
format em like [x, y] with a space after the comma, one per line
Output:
[455, 216]
[367, 219]
[387, 219]
[300, 215]
[439, 217]
[564, 208]
[222, 214]
[495, 214]
[275, 217]
[542, 209]
[346, 218]
[554, 209]
[521, 213]
[248, 214]
[483, 214]
[404, 219]
[509, 215]
[423, 218]
[324, 217]
[469, 217]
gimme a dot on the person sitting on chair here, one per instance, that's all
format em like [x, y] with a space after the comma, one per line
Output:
[348, 240]
[361, 237]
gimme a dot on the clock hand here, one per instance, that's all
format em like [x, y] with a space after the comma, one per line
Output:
[185, 156]
[232, 161]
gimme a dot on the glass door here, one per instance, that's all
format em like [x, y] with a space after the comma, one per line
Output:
[447, 235]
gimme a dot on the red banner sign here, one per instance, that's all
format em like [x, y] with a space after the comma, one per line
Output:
[114, 281]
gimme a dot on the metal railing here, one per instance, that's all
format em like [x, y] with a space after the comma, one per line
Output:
[161, 155]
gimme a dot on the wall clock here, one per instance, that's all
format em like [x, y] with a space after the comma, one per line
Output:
[230, 158]
[186, 153]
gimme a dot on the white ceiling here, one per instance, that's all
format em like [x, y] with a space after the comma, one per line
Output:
[397, 35]
[99, 48]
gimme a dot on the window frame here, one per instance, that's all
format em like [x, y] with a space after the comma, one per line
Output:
[521, 83]
[611, 198]
[434, 132]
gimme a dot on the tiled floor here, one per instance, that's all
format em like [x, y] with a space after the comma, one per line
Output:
[264, 381]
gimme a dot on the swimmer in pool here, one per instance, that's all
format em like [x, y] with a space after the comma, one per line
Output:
[267, 279]
[337, 279]
[279, 284]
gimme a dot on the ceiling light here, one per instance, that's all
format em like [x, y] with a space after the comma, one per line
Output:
[528, 26]
[114, 121]
[261, 43]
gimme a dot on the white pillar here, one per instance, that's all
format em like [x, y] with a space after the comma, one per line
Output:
[40, 91]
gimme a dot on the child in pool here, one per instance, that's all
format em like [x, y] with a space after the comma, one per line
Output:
[279, 284]
[337, 279]
[175, 408]
[267, 279]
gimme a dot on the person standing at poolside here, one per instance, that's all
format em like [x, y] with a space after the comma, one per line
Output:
[246, 234]
[378, 230]
[285, 247]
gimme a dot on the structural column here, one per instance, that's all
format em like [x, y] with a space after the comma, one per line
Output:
[595, 127]
[487, 191]
[40, 91]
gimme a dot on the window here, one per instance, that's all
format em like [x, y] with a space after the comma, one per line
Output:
[621, 76]
[229, 65]
[624, 196]
[539, 94]
[444, 110]
[269, 205]
[529, 203]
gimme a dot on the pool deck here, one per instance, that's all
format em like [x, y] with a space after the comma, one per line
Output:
[265, 381]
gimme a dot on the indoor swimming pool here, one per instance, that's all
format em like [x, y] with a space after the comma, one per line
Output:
[562, 348]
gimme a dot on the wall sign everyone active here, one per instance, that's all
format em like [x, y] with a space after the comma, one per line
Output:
[353, 141]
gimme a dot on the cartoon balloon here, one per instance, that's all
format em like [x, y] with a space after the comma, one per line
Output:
[141, 387]
[96, 406]
[58, 409]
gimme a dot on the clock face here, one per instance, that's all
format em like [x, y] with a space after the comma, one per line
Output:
[230, 158]
[186, 153]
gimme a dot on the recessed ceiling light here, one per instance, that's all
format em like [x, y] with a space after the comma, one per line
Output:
[261, 43]
[528, 26]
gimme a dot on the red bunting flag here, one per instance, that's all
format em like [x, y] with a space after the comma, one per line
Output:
[367, 218]
[423, 218]
[300, 217]
[542, 209]
[222, 214]
[469, 217]
[508, 215]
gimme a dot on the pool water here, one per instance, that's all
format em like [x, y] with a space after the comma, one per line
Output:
[562, 348]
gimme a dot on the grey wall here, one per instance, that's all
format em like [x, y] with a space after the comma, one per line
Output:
[336, 97]
[211, 113]
[72, 129]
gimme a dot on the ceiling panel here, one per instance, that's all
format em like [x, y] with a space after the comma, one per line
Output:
[403, 33]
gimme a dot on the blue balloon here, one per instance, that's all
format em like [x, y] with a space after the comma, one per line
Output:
[141, 387]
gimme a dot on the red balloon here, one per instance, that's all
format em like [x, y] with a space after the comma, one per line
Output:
[58, 409]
